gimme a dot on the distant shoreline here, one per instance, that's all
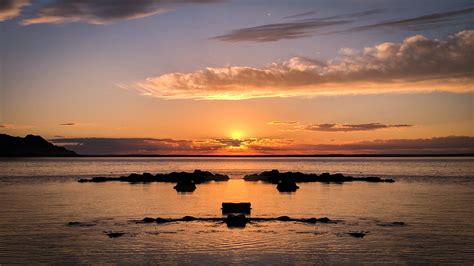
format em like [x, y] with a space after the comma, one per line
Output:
[247, 156]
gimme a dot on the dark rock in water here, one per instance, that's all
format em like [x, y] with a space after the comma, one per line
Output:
[188, 218]
[241, 207]
[161, 220]
[357, 234]
[185, 185]
[148, 220]
[284, 218]
[275, 177]
[324, 220]
[196, 177]
[80, 224]
[236, 220]
[114, 234]
[287, 186]
[393, 224]
[310, 220]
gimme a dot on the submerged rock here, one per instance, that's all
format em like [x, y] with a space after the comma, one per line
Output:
[236, 220]
[287, 186]
[241, 207]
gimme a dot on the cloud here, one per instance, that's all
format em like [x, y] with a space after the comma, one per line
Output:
[431, 21]
[437, 145]
[304, 14]
[282, 123]
[416, 64]
[313, 26]
[68, 124]
[351, 127]
[14, 126]
[264, 146]
[11, 8]
[291, 30]
[102, 11]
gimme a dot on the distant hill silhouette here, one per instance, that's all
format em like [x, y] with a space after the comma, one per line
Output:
[30, 145]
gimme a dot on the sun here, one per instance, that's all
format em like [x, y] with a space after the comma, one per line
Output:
[236, 135]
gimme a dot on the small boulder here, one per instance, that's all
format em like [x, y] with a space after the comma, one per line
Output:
[114, 234]
[287, 186]
[357, 234]
[185, 185]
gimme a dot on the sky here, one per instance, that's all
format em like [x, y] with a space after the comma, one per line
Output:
[239, 77]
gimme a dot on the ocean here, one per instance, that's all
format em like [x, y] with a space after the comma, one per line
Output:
[433, 197]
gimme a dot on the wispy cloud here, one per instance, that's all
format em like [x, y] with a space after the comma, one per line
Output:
[101, 11]
[11, 8]
[351, 127]
[68, 124]
[282, 123]
[291, 30]
[416, 64]
[299, 15]
[302, 28]
[14, 126]
[437, 145]
[430, 21]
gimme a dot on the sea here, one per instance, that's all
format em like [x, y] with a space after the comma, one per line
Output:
[425, 217]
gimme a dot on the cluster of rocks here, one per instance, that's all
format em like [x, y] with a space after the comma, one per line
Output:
[276, 177]
[236, 219]
[184, 180]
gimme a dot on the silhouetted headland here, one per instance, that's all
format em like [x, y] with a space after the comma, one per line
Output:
[30, 145]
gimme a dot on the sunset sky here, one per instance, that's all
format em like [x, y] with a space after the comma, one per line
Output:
[239, 76]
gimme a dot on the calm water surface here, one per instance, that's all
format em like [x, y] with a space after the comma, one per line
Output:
[433, 196]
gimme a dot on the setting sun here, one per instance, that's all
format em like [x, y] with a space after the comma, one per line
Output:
[236, 135]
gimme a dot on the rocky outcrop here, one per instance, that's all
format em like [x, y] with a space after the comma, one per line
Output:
[275, 177]
[235, 218]
[196, 177]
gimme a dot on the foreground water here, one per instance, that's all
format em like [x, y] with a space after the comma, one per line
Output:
[433, 196]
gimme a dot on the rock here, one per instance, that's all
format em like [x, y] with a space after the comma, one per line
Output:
[161, 220]
[236, 220]
[357, 234]
[284, 218]
[230, 207]
[324, 220]
[148, 220]
[185, 185]
[114, 234]
[188, 218]
[197, 177]
[393, 224]
[275, 177]
[80, 224]
[310, 220]
[287, 186]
